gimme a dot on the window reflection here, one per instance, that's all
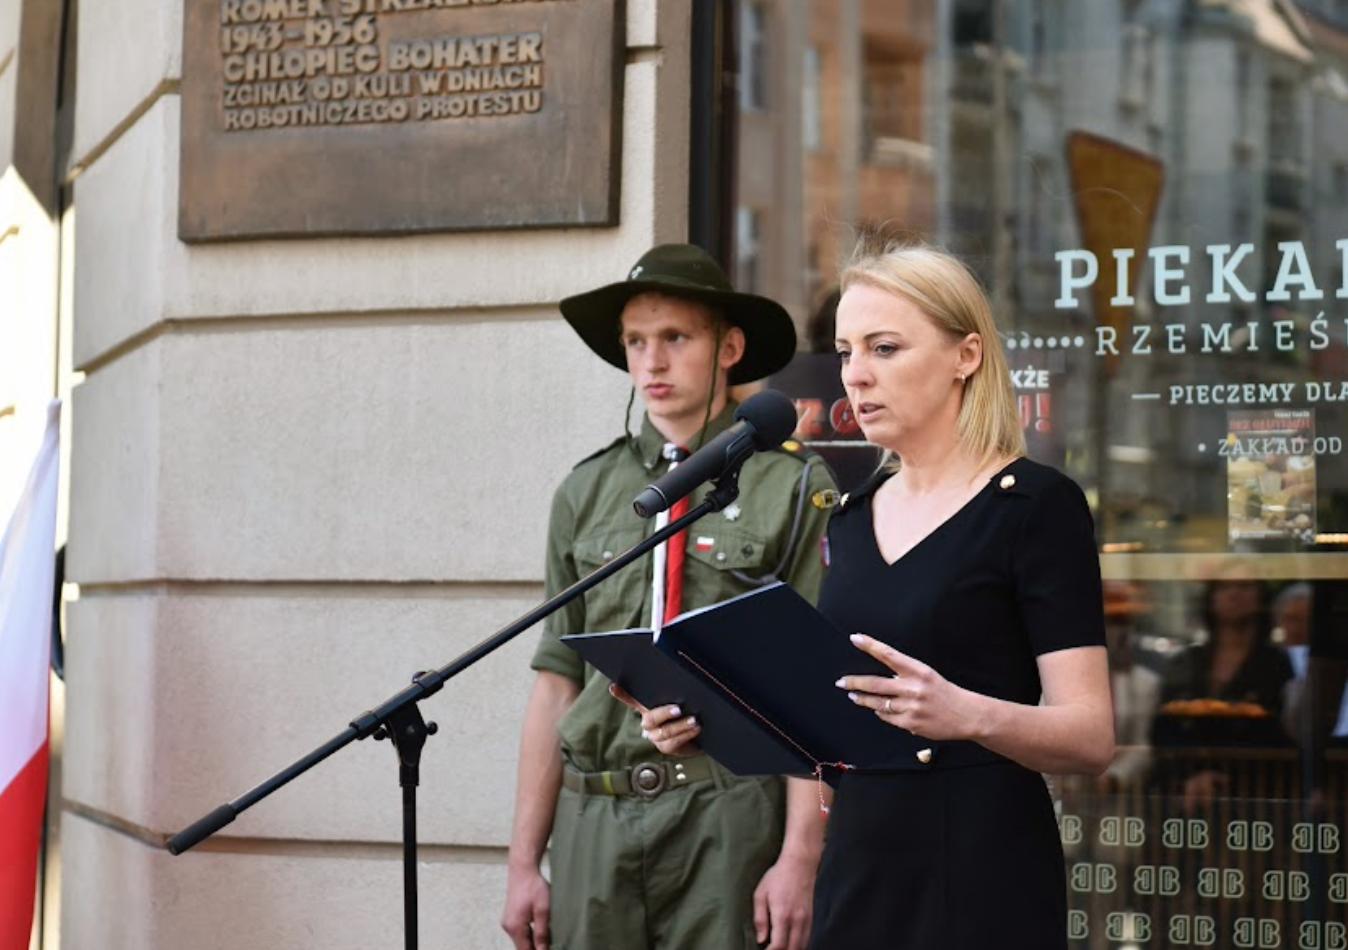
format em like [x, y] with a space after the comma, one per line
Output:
[1156, 194]
[1224, 691]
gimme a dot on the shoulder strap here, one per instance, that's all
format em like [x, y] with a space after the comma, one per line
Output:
[608, 448]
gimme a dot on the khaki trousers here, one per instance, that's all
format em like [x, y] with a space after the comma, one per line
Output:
[674, 872]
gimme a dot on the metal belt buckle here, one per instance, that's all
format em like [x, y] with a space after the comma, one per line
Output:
[648, 779]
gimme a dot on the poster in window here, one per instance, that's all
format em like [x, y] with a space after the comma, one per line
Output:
[1270, 474]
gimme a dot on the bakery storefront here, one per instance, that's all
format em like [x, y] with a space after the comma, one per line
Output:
[1156, 196]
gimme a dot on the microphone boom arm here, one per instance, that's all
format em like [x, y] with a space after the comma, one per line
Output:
[383, 718]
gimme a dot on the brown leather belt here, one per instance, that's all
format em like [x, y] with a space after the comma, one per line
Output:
[646, 780]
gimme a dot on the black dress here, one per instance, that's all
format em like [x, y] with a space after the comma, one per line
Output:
[960, 852]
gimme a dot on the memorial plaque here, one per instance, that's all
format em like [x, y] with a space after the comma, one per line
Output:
[347, 117]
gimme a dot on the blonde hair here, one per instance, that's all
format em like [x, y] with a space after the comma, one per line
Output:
[947, 292]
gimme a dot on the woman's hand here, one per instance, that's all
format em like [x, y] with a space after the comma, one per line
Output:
[915, 698]
[665, 726]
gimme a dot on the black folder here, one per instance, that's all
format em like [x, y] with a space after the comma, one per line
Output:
[758, 672]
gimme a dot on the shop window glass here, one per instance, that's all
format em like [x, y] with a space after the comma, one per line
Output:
[1156, 196]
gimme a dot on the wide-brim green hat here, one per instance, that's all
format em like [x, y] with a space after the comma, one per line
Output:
[683, 270]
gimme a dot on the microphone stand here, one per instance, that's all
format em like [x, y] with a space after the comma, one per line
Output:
[399, 718]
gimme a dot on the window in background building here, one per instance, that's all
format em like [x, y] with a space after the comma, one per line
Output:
[892, 105]
[1286, 152]
[1244, 101]
[972, 22]
[1038, 39]
[747, 250]
[811, 120]
[814, 276]
[1133, 66]
[1284, 133]
[1041, 225]
[753, 57]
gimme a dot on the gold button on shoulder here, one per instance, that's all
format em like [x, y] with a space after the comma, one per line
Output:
[924, 756]
[1008, 481]
[825, 498]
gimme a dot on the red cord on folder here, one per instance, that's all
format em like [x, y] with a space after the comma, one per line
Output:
[818, 766]
[819, 780]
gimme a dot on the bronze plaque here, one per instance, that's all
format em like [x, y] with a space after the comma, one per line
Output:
[345, 117]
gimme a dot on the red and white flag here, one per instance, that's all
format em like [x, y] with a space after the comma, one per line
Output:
[27, 572]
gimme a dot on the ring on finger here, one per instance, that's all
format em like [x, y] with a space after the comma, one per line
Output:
[888, 710]
[664, 733]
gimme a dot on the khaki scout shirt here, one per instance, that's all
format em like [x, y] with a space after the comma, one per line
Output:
[592, 522]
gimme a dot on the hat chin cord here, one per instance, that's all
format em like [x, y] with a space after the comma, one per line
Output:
[627, 413]
[715, 374]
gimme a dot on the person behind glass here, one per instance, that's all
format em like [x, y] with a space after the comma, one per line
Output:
[1315, 707]
[1135, 688]
[647, 851]
[1237, 663]
[1292, 624]
[971, 572]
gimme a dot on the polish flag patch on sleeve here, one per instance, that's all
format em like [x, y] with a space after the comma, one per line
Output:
[704, 544]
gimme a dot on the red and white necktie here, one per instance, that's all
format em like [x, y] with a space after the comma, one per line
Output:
[668, 581]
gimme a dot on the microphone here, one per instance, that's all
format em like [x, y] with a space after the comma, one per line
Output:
[763, 421]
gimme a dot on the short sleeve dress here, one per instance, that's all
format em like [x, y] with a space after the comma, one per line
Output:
[957, 848]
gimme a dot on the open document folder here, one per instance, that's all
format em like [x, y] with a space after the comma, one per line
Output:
[758, 672]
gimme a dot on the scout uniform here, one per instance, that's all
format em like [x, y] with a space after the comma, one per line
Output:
[649, 850]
